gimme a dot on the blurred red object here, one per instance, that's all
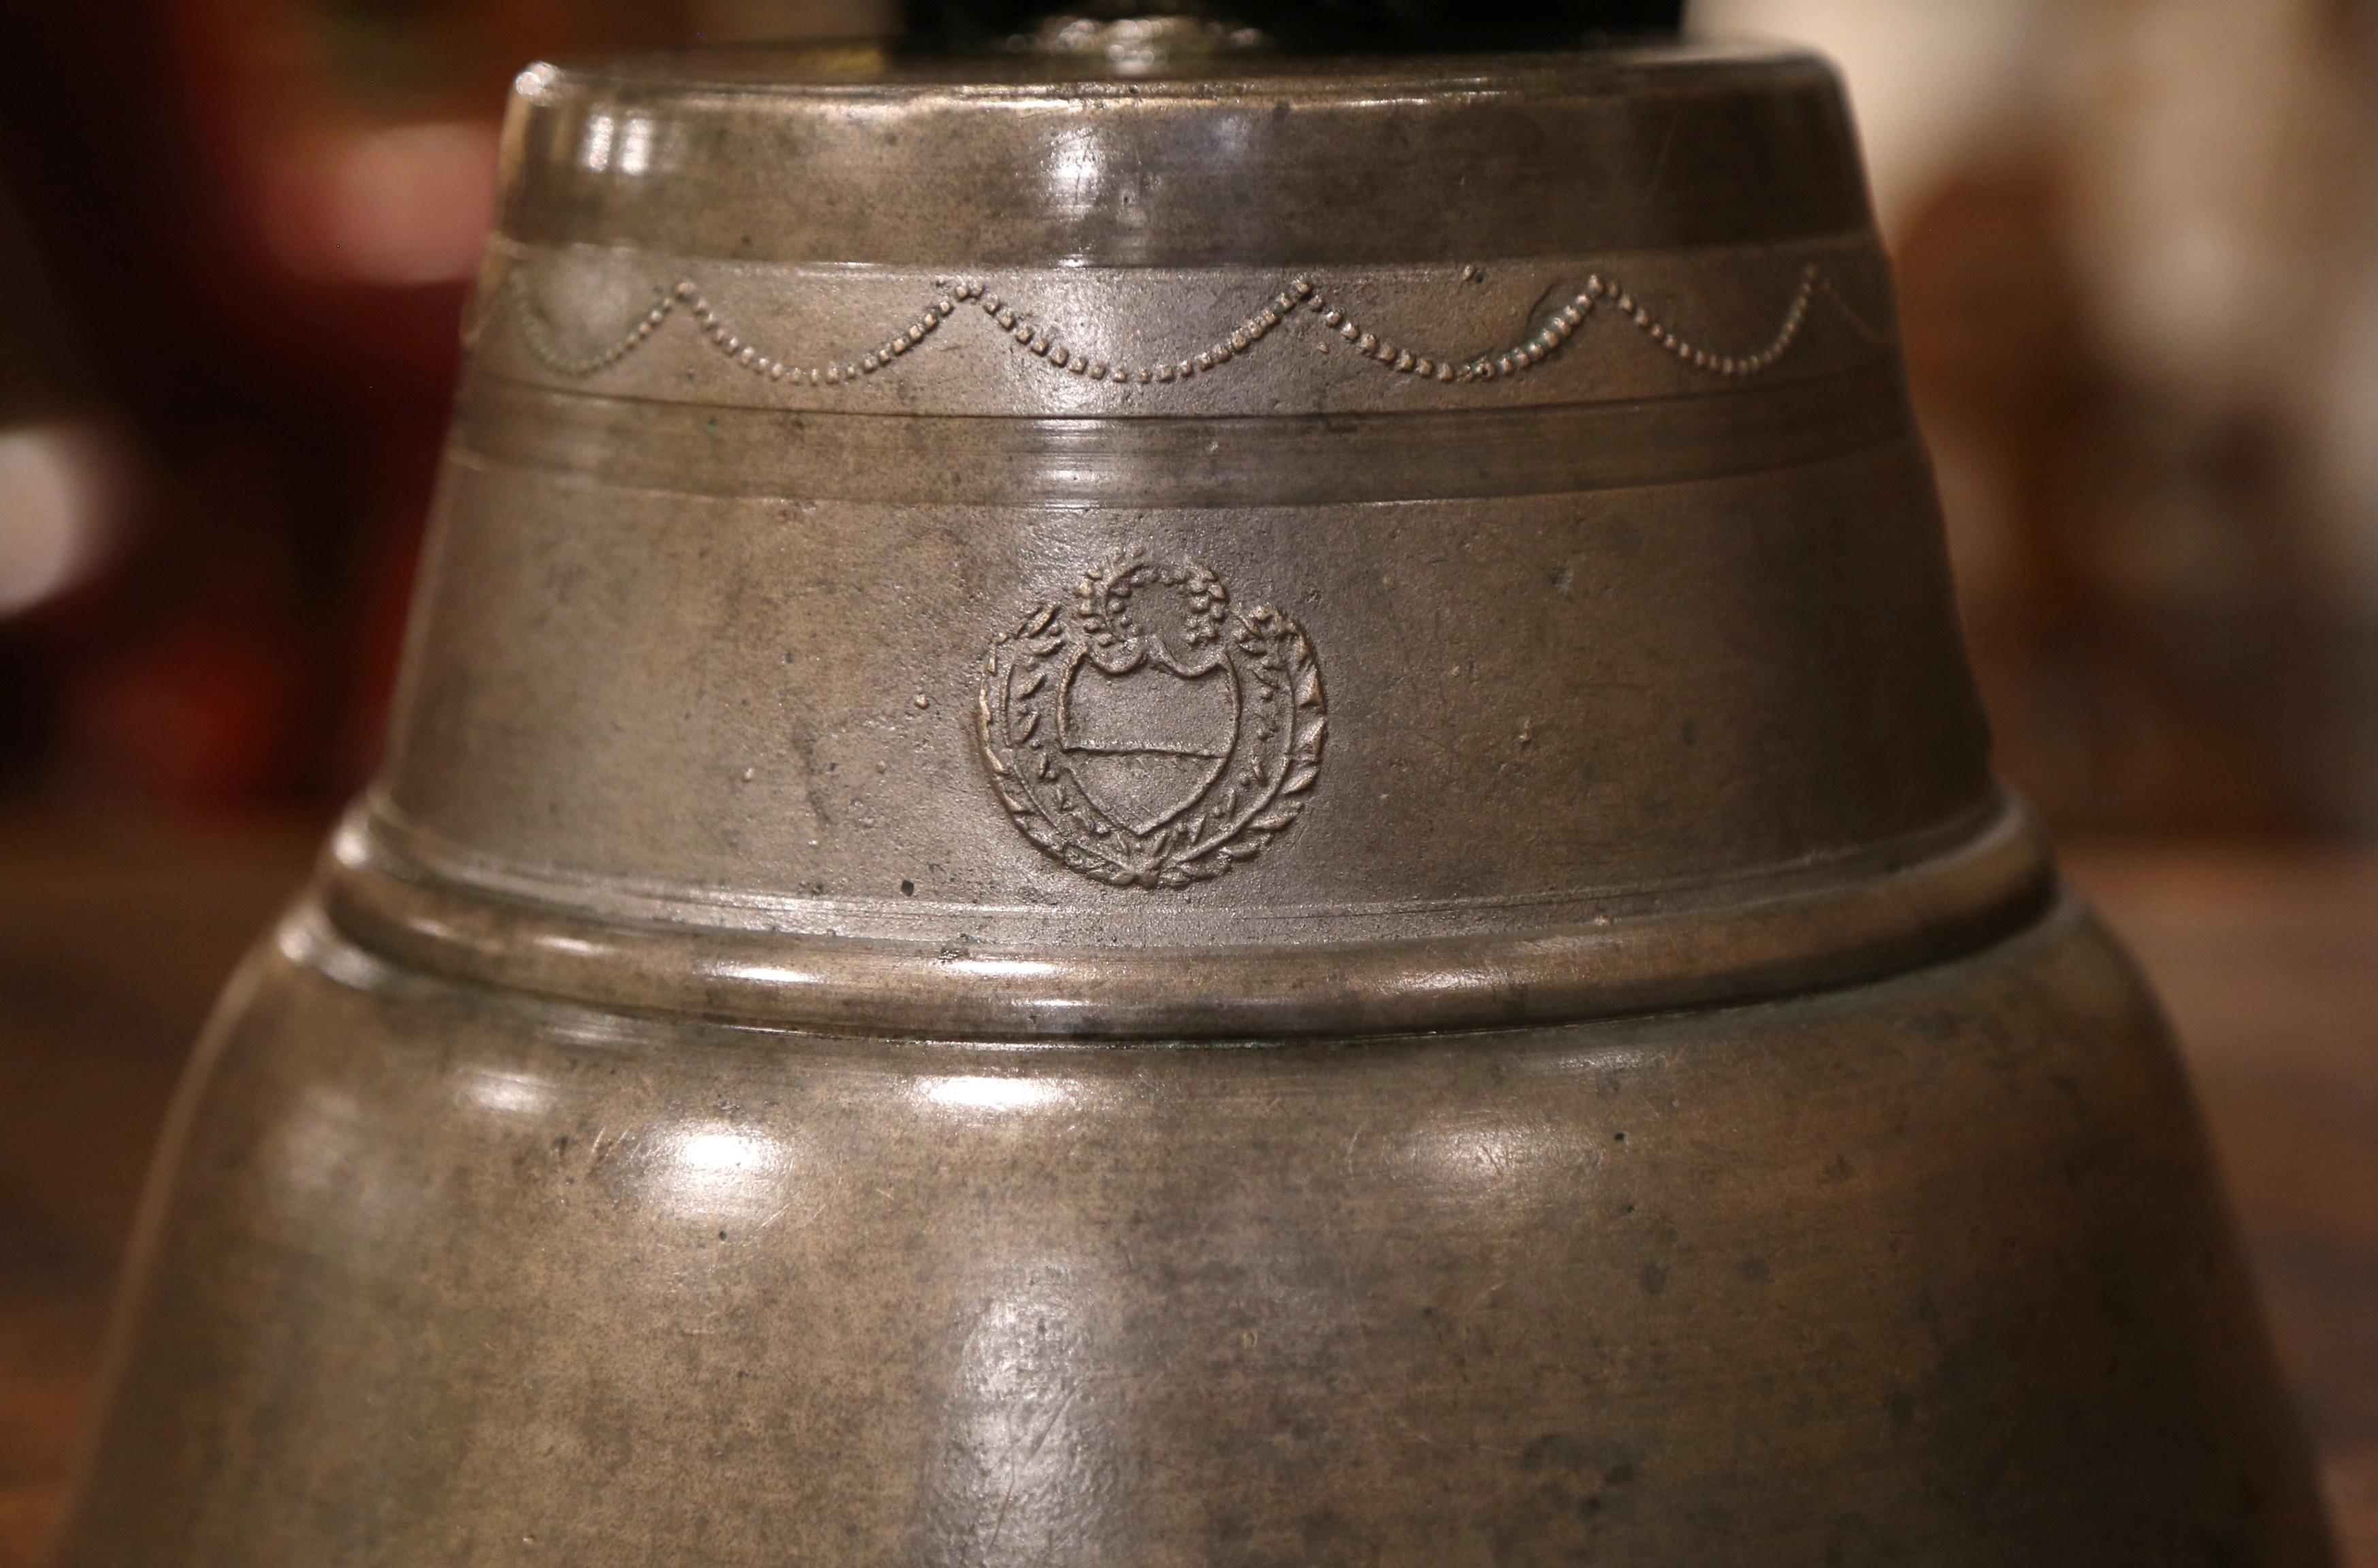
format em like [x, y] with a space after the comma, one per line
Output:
[251, 226]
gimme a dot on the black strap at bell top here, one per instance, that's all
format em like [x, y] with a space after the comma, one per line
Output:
[1370, 27]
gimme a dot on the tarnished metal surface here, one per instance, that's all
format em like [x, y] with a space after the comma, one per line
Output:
[1006, 660]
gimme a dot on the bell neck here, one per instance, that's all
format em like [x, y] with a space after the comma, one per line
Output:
[1184, 558]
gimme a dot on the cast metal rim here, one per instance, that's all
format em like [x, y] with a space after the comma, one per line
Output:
[1859, 916]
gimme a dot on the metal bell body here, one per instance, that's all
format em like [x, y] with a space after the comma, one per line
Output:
[1217, 817]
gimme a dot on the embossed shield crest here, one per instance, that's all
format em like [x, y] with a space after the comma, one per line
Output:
[1153, 736]
[1145, 745]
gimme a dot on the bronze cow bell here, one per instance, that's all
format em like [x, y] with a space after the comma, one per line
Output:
[1156, 807]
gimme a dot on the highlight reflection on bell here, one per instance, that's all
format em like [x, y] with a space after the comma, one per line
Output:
[1218, 815]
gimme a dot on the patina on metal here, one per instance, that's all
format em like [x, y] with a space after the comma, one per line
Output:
[1180, 809]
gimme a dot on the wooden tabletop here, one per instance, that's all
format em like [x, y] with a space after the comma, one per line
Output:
[2267, 959]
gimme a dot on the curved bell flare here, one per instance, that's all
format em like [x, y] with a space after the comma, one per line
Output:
[1214, 812]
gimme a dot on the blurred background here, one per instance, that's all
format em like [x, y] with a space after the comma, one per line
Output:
[2137, 243]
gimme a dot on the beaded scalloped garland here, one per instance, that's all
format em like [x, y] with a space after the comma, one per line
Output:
[1301, 298]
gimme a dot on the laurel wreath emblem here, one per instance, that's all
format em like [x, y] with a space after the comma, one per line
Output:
[1258, 790]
